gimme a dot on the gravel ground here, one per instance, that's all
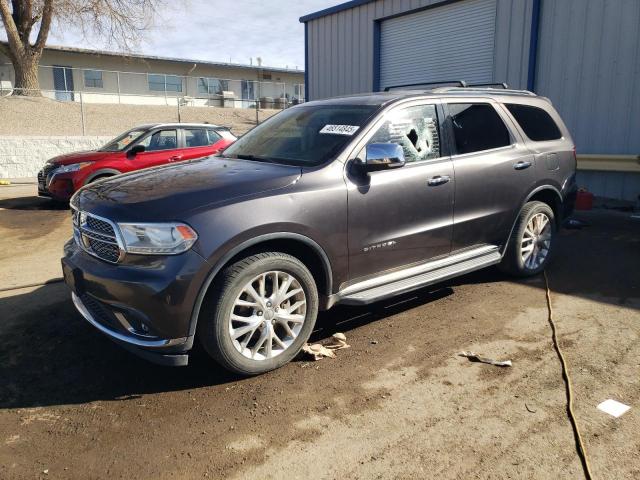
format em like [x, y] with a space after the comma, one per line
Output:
[398, 404]
[43, 116]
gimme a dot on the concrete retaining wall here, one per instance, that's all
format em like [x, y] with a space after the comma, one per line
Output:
[22, 156]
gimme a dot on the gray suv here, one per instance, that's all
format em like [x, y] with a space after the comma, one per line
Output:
[349, 200]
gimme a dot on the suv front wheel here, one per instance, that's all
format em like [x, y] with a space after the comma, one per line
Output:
[531, 242]
[261, 312]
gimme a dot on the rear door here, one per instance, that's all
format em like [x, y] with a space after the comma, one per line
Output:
[161, 146]
[494, 170]
[200, 142]
[402, 216]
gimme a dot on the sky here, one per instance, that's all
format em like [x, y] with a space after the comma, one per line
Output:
[222, 30]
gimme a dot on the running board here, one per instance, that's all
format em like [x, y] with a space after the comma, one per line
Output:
[396, 283]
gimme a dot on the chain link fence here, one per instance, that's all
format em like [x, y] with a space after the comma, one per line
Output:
[102, 102]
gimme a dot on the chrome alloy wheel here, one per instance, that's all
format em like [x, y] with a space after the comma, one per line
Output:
[536, 241]
[268, 315]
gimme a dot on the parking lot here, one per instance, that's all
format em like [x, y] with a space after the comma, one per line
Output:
[398, 404]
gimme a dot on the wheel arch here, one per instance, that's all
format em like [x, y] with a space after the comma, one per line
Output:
[546, 194]
[101, 173]
[300, 246]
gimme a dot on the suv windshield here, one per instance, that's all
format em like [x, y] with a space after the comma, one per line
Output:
[123, 141]
[302, 136]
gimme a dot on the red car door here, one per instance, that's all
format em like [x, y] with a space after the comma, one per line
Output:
[200, 142]
[160, 147]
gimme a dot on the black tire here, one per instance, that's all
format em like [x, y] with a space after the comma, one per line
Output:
[512, 261]
[213, 320]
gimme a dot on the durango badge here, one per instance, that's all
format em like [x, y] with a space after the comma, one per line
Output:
[377, 246]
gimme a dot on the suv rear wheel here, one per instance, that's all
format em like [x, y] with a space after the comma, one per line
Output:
[261, 312]
[531, 242]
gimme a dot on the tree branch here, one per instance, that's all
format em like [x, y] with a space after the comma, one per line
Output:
[15, 45]
[45, 25]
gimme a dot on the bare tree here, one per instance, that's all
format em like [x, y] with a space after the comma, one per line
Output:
[115, 22]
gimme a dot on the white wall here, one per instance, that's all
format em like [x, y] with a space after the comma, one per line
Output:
[22, 157]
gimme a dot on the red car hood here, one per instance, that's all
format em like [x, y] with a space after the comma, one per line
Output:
[78, 157]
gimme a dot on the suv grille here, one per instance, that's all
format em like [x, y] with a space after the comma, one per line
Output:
[97, 236]
[44, 174]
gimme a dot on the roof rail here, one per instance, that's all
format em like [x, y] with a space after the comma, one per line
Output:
[489, 85]
[461, 85]
[458, 83]
[491, 90]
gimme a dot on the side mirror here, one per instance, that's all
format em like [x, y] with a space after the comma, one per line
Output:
[133, 151]
[380, 156]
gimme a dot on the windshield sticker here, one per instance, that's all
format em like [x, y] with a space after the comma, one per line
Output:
[340, 129]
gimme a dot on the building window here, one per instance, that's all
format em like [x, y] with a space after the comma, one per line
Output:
[212, 86]
[535, 122]
[93, 78]
[174, 83]
[164, 83]
[266, 76]
[477, 127]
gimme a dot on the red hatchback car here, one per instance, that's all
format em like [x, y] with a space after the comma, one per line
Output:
[141, 147]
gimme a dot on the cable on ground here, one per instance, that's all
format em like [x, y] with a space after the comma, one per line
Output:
[582, 453]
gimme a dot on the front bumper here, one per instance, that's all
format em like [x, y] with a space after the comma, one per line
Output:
[59, 187]
[145, 309]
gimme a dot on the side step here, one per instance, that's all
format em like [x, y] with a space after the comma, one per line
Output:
[405, 281]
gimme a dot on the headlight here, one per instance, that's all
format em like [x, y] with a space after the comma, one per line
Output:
[74, 167]
[157, 238]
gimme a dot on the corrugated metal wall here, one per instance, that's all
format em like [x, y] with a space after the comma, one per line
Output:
[589, 66]
[341, 46]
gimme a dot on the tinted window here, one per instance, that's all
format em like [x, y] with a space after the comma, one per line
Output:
[303, 135]
[212, 86]
[477, 127]
[535, 122]
[161, 140]
[93, 78]
[213, 136]
[196, 137]
[161, 83]
[415, 129]
[156, 82]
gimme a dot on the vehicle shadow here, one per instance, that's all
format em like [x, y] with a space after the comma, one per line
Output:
[51, 356]
[32, 203]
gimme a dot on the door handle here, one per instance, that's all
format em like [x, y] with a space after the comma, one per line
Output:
[438, 180]
[521, 165]
[175, 158]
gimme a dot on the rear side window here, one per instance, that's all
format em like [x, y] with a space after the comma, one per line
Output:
[535, 122]
[477, 127]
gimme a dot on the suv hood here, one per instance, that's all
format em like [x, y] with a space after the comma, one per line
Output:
[77, 157]
[168, 192]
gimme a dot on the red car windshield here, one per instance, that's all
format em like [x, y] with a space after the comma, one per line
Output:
[123, 141]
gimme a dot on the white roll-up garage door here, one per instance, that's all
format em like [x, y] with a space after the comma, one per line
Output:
[453, 42]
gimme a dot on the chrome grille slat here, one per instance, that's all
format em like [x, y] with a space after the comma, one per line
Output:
[97, 236]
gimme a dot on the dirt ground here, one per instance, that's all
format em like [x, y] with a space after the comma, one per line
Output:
[398, 404]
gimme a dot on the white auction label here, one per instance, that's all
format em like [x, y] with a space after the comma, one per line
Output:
[340, 129]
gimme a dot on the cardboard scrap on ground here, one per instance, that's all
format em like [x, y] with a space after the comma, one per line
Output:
[613, 408]
[318, 351]
[474, 357]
